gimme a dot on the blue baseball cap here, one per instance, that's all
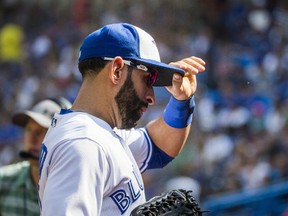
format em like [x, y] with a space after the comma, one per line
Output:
[131, 43]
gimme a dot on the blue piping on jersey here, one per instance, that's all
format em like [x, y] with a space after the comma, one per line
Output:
[156, 158]
[65, 111]
[149, 153]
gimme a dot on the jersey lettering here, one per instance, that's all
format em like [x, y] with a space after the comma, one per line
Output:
[138, 181]
[124, 199]
[121, 199]
[134, 195]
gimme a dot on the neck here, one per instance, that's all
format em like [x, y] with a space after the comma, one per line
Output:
[96, 100]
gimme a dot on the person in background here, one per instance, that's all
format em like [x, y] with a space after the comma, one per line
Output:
[18, 182]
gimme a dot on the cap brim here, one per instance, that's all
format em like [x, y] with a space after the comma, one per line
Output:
[165, 71]
[21, 119]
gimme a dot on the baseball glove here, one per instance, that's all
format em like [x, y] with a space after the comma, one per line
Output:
[176, 202]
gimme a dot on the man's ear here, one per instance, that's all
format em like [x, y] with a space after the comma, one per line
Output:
[116, 70]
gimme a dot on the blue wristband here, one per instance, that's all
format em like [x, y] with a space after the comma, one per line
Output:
[179, 114]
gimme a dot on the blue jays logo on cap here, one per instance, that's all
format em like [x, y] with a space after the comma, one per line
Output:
[131, 43]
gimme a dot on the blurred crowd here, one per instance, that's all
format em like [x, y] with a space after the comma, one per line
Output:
[239, 136]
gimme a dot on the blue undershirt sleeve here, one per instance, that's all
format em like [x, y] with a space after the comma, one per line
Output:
[159, 158]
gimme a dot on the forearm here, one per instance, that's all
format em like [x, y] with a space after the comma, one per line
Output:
[168, 139]
[170, 132]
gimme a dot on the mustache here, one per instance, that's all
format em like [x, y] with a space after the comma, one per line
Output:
[27, 155]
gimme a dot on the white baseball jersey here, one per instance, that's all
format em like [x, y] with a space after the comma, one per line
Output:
[87, 168]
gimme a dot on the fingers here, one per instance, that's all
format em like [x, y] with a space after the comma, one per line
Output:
[175, 89]
[183, 87]
[176, 82]
[192, 65]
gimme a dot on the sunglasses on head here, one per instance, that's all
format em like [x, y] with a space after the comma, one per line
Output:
[152, 72]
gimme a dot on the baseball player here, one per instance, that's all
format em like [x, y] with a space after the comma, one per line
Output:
[92, 155]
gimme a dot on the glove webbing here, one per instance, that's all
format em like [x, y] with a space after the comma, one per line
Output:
[176, 202]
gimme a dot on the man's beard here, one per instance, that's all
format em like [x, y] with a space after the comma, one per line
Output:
[129, 104]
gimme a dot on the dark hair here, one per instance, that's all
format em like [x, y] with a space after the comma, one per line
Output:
[91, 66]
